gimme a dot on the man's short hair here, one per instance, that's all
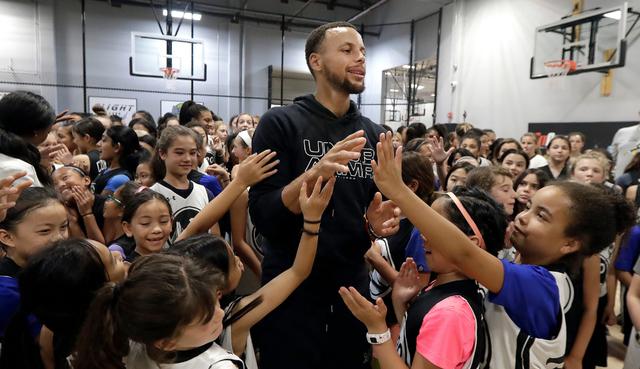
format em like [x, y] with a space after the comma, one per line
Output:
[317, 36]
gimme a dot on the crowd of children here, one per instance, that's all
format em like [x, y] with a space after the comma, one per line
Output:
[124, 246]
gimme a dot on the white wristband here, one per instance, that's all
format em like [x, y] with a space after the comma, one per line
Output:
[378, 338]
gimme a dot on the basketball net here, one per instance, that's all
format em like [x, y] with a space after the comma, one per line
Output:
[557, 71]
[170, 75]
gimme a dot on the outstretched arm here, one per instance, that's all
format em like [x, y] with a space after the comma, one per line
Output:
[471, 260]
[279, 288]
[239, 231]
[254, 169]
[591, 288]
[373, 316]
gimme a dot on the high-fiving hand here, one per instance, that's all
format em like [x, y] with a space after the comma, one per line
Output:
[336, 159]
[387, 169]
[9, 193]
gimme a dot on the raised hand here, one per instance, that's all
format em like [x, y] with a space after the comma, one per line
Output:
[46, 156]
[10, 193]
[62, 117]
[437, 150]
[387, 169]
[256, 167]
[336, 159]
[407, 284]
[313, 206]
[218, 171]
[383, 216]
[62, 155]
[373, 316]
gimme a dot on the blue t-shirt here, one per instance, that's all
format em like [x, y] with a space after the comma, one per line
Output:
[531, 298]
[415, 250]
[629, 251]
[211, 183]
[116, 181]
[9, 301]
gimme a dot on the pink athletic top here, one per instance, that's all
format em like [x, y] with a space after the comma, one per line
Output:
[448, 333]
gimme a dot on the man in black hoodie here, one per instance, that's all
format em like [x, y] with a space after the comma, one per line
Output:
[320, 135]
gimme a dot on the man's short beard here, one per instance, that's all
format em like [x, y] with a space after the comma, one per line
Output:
[344, 84]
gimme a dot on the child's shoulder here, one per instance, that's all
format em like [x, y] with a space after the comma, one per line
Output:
[215, 357]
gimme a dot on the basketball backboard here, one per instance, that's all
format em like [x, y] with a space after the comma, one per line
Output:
[150, 53]
[594, 40]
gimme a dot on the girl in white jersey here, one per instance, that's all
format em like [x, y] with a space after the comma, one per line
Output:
[164, 315]
[595, 285]
[526, 315]
[243, 312]
[176, 154]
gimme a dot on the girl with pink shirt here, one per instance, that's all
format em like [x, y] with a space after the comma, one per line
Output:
[443, 326]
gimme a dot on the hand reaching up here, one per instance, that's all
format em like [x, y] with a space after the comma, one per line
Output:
[407, 284]
[383, 216]
[9, 193]
[62, 155]
[387, 169]
[336, 159]
[313, 205]
[256, 167]
[437, 150]
[373, 316]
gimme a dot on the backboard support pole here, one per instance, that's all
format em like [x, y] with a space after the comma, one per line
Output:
[606, 84]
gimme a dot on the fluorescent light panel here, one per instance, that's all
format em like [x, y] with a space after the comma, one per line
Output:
[614, 15]
[179, 14]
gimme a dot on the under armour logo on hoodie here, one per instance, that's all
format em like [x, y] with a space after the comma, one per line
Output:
[360, 168]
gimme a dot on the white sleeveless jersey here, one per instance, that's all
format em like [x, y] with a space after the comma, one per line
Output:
[253, 237]
[184, 208]
[513, 349]
[215, 357]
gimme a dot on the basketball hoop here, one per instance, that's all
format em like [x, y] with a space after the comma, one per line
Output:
[557, 70]
[170, 75]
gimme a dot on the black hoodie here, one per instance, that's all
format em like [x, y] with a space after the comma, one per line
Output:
[301, 134]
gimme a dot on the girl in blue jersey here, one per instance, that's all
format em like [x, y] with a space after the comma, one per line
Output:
[37, 219]
[563, 223]
[120, 147]
[58, 296]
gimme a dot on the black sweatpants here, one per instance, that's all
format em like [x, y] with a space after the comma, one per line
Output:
[313, 330]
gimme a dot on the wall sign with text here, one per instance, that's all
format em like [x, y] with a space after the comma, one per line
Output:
[122, 107]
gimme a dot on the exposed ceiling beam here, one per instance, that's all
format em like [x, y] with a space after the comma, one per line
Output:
[302, 8]
[336, 4]
[367, 10]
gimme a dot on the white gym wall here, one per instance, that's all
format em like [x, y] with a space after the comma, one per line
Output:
[490, 41]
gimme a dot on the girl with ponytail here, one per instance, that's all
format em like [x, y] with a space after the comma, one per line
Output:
[165, 312]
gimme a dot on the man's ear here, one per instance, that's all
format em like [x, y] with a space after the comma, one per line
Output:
[315, 62]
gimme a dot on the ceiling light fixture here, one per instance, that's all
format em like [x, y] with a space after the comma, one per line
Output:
[614, 15]
[179, 14]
